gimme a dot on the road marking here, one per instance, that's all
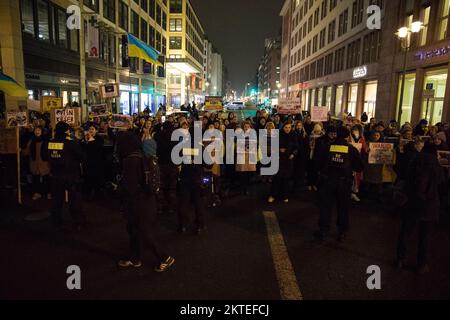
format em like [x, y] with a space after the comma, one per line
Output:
[287, 281]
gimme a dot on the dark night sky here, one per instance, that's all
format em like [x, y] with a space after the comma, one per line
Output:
[237, 28]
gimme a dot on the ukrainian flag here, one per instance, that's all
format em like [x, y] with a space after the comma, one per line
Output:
[10, 87]
[139, 49]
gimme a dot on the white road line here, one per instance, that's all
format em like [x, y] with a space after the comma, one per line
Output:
[287, 281]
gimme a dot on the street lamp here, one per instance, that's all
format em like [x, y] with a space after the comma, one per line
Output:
[404, 35]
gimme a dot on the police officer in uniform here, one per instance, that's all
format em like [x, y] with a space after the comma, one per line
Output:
[191, 188]
[336, 166]
[65, 157]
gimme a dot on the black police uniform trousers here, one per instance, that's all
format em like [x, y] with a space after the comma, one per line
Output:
[425, 231]
[334, 191]
[169, 179]
[59, 186]
[190, 192]
[141, 226]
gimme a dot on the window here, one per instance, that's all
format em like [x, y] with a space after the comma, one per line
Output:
[175, 25]
[109, 10]
[175, 43]
[151, 39]
[333, 4]
[353, 54]
[316, 17]
[408, 96]
[144, 30]
[27, 16]
[134, 23]
[443, 19]
[43, 18]
[315, 41]
[322, 38]
[331, 31]
[176, 6]
[92, 4]
[425, 18]
[123, 15]
[371, 47]
[357, 12]
[339, 60]
[343, 23]
[309, 48]
[164, 46]
[164, 20]
[158, 15]
[62, 39]
[158, 46]
[144, 5]
[310, 23]
[152, 9]
[324, 8]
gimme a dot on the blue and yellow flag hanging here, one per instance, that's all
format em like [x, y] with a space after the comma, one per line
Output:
[10, 87]
[139, 49]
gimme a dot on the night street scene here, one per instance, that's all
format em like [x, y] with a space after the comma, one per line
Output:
[225, 156]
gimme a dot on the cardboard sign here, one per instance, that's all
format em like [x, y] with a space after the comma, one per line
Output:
[213, 104]
[9, 143]
[99, 110]
[48, 103]
[121, 122]
[16, 119]
[65, 115]
[381, 153]
[319, 114]
[289, 106]
[109, 90]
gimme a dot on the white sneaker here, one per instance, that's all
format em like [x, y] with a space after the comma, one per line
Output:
[36, 196]
[286, 200]
[271, 200]
[355, 198]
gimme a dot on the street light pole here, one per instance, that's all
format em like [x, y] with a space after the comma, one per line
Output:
[402, 90]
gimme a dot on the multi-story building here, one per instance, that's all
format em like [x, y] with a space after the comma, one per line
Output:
[331, 57]
[50, 59]
[269, 71]
[213, 70]
[208, 48]
[185, 63]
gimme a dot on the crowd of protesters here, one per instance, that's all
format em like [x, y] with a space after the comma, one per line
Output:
[112, 159]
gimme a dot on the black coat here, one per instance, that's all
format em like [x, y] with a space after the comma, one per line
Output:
[426, 176]
[288, 144]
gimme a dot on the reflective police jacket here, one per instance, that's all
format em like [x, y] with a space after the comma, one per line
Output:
[65, 157]
[339, 160]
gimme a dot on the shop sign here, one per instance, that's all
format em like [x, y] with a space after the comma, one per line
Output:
[359, 72]
[426, 55]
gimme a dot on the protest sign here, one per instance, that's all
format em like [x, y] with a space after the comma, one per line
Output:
[16, 119]
[99, 110]
[121, 122]
[289, 106]
[48, 103]
[65, 115]
[381, 153]
[319, 114]
[213, 104]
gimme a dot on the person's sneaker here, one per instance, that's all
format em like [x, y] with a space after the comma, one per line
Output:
[36, 196]
[286, 200]
[271, 200]
[49, 197]
[165, 265]
[355, 198]
[130, 264]
[423, 269]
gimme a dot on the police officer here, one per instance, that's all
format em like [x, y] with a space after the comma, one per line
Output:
[65, 157]
[191, 187]
[336, 166]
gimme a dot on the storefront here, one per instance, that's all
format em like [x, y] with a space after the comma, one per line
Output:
[129, 99]
[433, 107]
[370, 98]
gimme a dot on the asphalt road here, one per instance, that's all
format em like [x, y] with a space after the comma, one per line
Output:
[241, 256]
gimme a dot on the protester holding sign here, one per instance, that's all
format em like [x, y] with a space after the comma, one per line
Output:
[37, 150]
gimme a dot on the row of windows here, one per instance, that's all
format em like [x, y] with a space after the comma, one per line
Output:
[321, 11]
[193, 20]
[190, 32]
[47, 22]
[193, 51]
[346, 57]
[357, 18]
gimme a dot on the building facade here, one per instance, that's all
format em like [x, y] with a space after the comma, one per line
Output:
[269, 72]
[332, 56]
[185, 62]
[56, 60]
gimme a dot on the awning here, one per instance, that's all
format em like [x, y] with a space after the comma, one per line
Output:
[11, 88]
